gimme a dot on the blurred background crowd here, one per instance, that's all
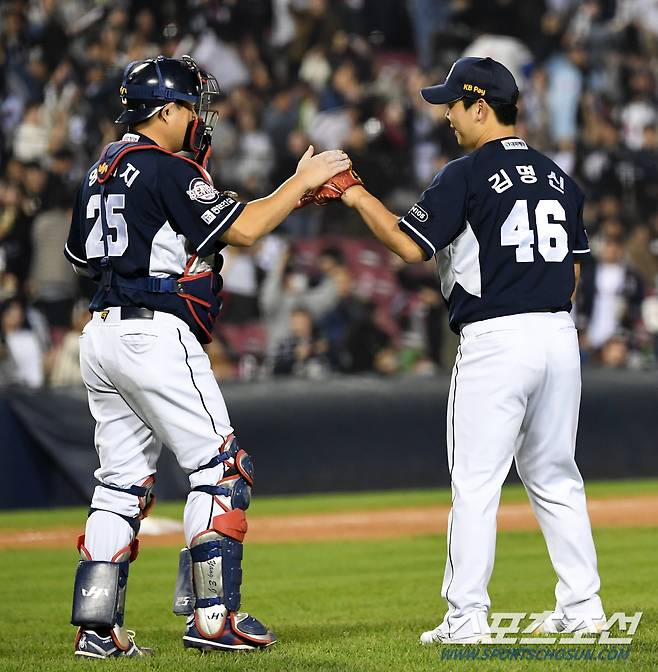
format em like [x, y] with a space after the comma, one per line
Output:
[320, 296]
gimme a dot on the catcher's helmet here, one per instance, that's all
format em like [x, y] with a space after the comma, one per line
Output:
[150, 84]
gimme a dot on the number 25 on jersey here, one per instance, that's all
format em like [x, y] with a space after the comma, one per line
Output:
[552, 239]
[117, 241]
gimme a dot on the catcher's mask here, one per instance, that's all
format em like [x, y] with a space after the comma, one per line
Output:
[150, 84]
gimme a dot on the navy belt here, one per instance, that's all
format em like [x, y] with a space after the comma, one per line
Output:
[136, 313]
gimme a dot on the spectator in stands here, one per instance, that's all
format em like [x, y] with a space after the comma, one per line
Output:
[641, 258]
[419, 311]
[349, 310]
[15, 243]
[21, 358]
[285, 289]
[221, 360]
[615, 351]
[609, 298]
[32, 136]
[305, 222]
[304, 352]
[240, 273]
[51, 284]
[368, 347]
[650, 319]
[428, 311]
[296, 70]
[63, 361]
[330, 260]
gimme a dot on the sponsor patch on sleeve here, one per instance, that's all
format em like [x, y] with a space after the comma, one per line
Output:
[208, 217]
[222, 204]
[199, 190]
[418, 213]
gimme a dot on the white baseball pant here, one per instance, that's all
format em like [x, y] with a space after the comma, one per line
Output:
[515, 395]
[149, 383]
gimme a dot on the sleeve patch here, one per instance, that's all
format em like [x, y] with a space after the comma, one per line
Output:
[418, 213]
[208, 217]
[199, 190]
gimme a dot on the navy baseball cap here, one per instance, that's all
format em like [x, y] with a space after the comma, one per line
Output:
[472, 77]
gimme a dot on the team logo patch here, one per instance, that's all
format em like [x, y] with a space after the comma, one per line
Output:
[199, 190]
[418, 212]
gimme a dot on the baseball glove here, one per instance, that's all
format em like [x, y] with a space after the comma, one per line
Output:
[332, 189]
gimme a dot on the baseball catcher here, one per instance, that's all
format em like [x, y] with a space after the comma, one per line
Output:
[148, 226]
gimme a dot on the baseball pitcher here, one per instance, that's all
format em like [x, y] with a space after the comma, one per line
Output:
[504, 226]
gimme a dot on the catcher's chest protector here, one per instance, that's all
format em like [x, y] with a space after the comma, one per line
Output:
[200, 284]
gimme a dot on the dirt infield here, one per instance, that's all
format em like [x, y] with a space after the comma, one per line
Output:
[380, 524]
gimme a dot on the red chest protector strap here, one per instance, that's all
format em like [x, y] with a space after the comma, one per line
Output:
[115, 151]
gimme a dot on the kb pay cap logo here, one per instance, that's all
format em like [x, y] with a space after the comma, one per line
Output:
[420, 214]
[199, 190]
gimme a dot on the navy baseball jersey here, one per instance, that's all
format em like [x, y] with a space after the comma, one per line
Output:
[505, 226]
[161, 209]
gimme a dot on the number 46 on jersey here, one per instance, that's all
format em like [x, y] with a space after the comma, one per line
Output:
[552, 238]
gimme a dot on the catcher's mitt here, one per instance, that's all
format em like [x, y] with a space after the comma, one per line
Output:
[332, 189]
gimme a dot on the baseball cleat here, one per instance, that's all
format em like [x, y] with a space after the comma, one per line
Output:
[440, 636]
[91, 644]
[241, 632]
[556, 624]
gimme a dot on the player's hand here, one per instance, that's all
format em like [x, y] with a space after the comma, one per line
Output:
[316, 170]
[352, 195]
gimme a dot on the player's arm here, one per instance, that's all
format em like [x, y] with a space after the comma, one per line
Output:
[383, 224]
[210, 219]
[581, 244]
[74, 249]
[263, 215]
[430, 224]
[576, 272]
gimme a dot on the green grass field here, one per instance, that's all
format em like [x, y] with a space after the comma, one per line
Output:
[320, 503]
[357, 605]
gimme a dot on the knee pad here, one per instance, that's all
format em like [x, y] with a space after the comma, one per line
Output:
[99, 591]
[145, 500]
[233, 490]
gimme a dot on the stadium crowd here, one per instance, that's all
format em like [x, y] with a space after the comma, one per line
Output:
[320, 296]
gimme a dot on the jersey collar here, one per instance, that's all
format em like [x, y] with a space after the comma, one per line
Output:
[138, 137]
[505, 137]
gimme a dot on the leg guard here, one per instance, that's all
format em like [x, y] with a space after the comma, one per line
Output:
[96, 594]
[210, 571]
[99, 599]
